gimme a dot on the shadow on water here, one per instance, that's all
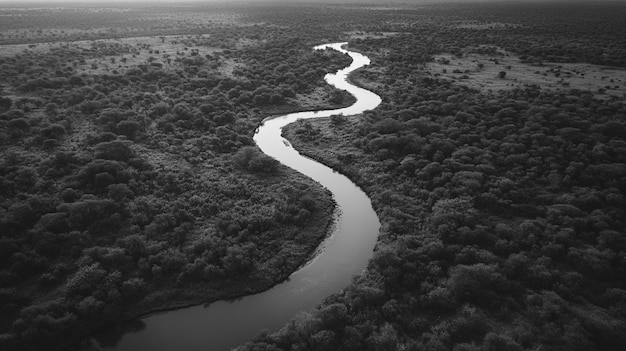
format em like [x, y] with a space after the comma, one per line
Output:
[111, 336]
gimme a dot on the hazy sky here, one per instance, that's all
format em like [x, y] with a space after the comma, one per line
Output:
[339, 1]
[118, 2]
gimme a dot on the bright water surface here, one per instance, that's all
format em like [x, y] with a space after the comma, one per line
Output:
[224, 325]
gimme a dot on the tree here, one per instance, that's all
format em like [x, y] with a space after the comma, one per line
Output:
[338, 119]
[120, 192]
[496, 342]
[128, 129]
[450, 214]
[85, 280]
[117, 150]
[385, 339]
[90, 107]
[5, 104]
[237, 260]
[251, 159]
[51, 109]
[335, 96]
[159, 109]
[54, 131]
[334, 317]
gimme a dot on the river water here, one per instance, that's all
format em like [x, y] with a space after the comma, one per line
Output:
[224, 325]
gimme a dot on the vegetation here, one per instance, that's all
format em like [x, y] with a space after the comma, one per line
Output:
[503, 212]
[130, 182]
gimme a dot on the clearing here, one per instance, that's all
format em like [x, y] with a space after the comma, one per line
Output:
[482, 70]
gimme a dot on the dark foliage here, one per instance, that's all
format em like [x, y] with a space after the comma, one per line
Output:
[503, 212]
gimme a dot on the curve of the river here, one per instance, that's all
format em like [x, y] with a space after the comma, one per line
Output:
[224, 325]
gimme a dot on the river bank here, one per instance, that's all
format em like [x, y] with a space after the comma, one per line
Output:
[345, 252]
[170, 300]
[317, 228]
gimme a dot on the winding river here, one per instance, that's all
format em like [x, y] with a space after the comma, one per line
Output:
[224, 325]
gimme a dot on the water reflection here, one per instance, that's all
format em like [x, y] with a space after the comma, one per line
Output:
[110, 337]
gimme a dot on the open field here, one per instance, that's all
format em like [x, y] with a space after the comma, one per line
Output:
[482, 71]
[369, 35]
[74, 23]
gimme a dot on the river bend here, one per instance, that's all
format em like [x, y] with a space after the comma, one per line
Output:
[223, 325]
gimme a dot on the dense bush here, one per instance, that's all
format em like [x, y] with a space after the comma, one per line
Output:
[251, 159]
[497, 207]
[124, 181]
[503, 212]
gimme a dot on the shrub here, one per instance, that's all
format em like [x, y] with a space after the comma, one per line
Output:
[114, 150]
[251, 159]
